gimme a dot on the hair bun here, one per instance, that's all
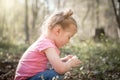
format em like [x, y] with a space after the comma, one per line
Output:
[67, 13]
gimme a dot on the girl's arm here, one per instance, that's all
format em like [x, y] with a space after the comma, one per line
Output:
[57, 64]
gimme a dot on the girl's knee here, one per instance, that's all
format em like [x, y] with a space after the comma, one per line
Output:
[55, 76]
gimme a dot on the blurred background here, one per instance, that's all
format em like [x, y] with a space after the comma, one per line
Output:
[97, 42]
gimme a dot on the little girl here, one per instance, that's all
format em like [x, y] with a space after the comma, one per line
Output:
[35, 62]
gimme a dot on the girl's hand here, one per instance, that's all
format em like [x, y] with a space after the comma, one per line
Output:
[66, 58]
[74, 61]
[69, 57]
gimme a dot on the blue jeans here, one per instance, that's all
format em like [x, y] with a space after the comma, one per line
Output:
[47, 75]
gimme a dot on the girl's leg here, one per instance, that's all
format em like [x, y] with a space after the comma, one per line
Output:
[47, 75]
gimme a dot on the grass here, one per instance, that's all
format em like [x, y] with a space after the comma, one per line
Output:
[100, 60]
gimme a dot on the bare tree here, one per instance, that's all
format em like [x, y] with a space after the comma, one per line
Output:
[97, 12]
[86, 14]
[119, 11]
[117, 15]
[26, 22]
[112, 26]
[35, 10]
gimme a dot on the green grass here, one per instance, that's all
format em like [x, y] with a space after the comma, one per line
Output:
[100, 60]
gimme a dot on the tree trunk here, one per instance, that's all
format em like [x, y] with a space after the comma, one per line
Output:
[58, 4]
[112, 27]
[97, 13]
[35, 9]
[115, 11]
[119, 12]
[26, 22]
[86, 14]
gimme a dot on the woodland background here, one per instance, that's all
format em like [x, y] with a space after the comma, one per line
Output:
[97, 42]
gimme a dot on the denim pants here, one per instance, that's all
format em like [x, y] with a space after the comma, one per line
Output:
[47, 75]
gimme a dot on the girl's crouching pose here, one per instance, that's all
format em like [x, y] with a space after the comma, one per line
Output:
[35, 62]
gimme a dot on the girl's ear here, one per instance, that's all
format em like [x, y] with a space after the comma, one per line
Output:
[57, 29]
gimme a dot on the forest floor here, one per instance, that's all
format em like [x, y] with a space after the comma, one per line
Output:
[100, 61]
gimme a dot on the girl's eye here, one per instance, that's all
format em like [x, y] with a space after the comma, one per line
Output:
[69, 37]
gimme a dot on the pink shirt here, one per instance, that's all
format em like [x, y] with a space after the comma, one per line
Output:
[34, 60]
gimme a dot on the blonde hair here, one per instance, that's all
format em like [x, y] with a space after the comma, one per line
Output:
[63, 18]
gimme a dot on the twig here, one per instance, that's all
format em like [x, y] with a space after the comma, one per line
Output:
[7, 73]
